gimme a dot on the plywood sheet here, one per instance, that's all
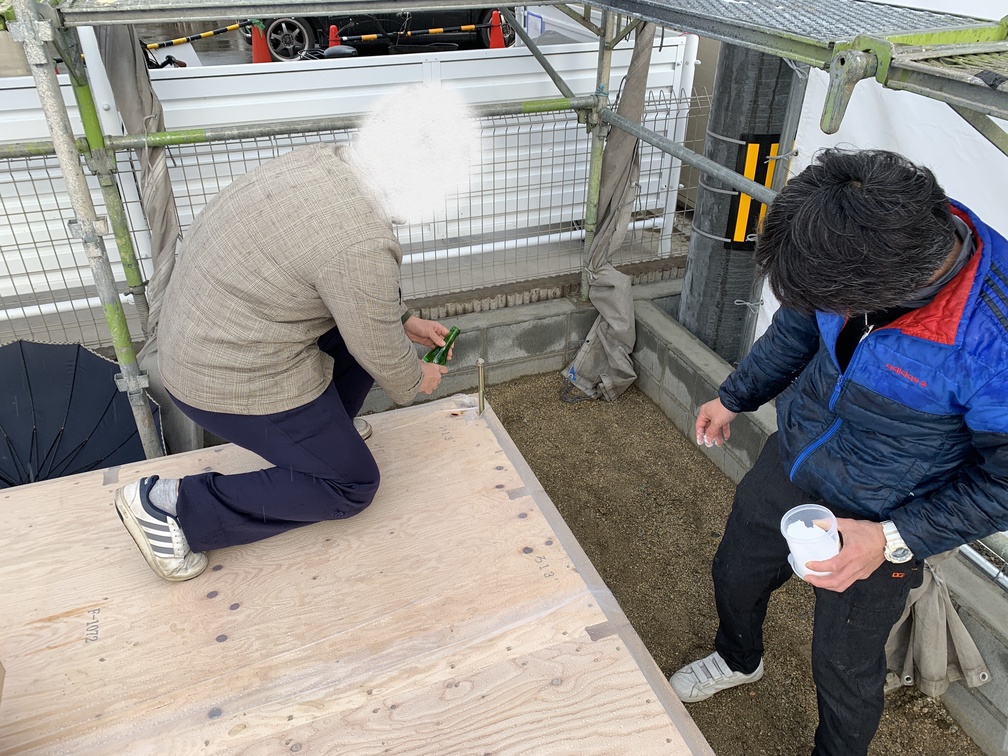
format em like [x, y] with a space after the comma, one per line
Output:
[455, 615]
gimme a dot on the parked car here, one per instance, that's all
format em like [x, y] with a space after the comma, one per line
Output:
[288, 37]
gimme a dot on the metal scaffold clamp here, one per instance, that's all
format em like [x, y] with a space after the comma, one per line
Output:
[132, 384]
[847, 68]
[88, 231]
[33, 34]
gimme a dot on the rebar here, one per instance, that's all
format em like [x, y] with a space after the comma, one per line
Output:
[481, 369]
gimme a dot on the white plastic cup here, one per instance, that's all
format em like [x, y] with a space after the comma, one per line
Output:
[811, 534]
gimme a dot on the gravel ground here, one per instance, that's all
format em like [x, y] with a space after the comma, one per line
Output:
[647, 507]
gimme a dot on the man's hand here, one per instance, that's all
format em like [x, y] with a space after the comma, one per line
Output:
[862, 553]
[431, 376]
[713, 423]
[427, 333]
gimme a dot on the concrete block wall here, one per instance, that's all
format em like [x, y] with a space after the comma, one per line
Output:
[513, 341]
[983, 607]
[679, 373]
[526, 339]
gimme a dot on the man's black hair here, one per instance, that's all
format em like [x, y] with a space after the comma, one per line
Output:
[855, 232]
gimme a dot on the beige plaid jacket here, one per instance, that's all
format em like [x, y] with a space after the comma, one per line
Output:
[274, 261]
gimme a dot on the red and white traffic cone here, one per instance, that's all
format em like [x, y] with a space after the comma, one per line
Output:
[496, 35]
[260, 50]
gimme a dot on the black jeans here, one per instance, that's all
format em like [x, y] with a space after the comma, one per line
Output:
[850, 630]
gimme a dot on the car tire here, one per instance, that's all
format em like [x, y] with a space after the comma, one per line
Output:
[288, 37]
[506, 30]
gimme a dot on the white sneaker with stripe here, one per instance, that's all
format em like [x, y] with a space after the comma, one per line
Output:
[703, 678]
[157, 534]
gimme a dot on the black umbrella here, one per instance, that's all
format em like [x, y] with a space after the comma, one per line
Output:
[61, 413]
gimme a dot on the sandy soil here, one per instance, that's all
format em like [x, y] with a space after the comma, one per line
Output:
[648, 509]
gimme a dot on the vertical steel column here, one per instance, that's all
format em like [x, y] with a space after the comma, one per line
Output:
[789, 131]
[34, 32]
[750, 99]
[598, 130]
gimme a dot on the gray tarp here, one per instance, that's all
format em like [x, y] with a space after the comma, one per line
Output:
[929, 646]
[142, 113]
[602, 367]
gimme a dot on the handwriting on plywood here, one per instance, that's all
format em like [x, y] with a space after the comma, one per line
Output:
[91, 628]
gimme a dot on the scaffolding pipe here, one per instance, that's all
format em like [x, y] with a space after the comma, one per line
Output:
[101, 163]
[336, 123]
[598, 144]
[537, 53]
[985, 566]
[33, 33]
[735, 180]
[279, 128]
[172, 138]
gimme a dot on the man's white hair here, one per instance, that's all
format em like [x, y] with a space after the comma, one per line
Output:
[415, 148]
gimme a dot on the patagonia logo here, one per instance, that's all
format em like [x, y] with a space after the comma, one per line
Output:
[904, 374]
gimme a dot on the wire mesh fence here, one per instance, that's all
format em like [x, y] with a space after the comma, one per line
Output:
[47, 292]
[522, 217]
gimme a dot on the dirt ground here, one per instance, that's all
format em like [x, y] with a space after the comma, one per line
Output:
[647, 507]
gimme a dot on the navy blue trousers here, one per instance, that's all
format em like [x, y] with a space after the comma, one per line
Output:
[850, 629]
[322, 470]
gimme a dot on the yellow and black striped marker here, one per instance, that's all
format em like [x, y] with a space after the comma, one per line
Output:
[756, 161]
[414, 33]
[194, 37]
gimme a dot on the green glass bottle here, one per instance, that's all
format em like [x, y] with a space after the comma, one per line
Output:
[439, 355]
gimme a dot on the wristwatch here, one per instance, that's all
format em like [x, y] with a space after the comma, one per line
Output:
[896, 550]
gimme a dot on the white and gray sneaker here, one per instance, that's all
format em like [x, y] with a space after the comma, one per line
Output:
[363, 427]
[157, 534]
[703, 678]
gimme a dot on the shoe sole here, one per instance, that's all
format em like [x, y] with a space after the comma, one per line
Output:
[140, 539]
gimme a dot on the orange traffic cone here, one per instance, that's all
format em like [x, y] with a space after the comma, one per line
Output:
[260, 50]
[334, 38]
[496, 35]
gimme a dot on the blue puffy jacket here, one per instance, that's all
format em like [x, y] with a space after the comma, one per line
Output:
[916, 429]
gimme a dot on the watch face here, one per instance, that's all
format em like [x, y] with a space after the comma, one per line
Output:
[900, 555]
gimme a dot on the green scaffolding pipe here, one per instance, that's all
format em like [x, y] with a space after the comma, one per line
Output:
[225, 133]
[598, 145]
[336, 123]
[102, 166]
[26, 150]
